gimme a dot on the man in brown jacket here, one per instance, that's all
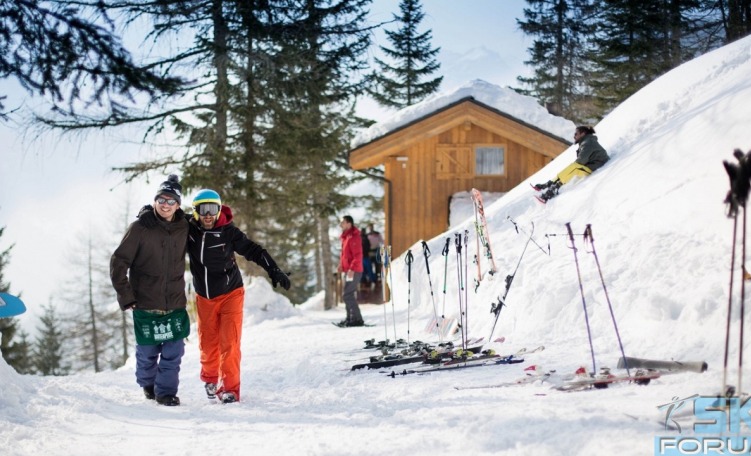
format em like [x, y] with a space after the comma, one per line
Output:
[148, 272]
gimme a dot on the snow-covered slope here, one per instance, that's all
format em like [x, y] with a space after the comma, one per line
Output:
[664, 243]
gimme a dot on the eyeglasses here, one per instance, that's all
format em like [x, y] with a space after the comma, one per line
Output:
[167, 201]
[208, 209]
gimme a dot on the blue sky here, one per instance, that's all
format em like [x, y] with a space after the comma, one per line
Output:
[53, 190]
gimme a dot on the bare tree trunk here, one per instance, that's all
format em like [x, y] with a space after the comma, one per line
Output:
[92, 311]
[328, 264]
[319, 269]
[221, 90]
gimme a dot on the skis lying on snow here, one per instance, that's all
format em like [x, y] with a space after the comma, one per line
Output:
[584, 381]
[488, 358]
[668, 366]
[533, 374]
[424, 354]
[342, 324]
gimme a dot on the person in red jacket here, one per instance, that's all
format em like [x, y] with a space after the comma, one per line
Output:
[350, 264]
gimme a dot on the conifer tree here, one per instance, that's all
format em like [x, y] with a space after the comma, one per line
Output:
[20, 356]
[13, 351]
[48, 349]
[311, 120]
[405, 82]
[738, 19]
[637, 41]
[66, 52]
[562, 30]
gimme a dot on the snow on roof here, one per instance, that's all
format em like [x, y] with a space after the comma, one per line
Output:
[505, 100]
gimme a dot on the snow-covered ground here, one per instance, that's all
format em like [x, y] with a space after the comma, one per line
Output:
[664, 243]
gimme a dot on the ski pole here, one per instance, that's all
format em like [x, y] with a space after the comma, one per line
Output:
[730, 307]
[382, 254]
[466, 289]
[743, 303]
[426, 253]
[391, 287]
[458, 243]
[517, 228]
[409, 258]
[736, 197]
[589, 237]
[496, 308]
[445, 253]
[584, 302]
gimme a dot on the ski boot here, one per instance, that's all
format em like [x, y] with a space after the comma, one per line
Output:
[550, 193]
[210, 390]
[541, 187]
[228, 398]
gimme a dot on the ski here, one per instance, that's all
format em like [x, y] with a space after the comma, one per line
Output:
[424, 355]
[484, 359]
[583, 381]
[483, 238]
[668, 366]
[533, 374]
[442, 327]
[340, 324]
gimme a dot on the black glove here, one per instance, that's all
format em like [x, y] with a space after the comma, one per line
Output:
[147, 217]
[275, 274]
[280, 278]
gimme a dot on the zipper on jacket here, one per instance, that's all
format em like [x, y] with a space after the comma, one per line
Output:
[205, 269]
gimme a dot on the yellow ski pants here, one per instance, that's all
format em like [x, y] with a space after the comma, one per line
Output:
[573, 170]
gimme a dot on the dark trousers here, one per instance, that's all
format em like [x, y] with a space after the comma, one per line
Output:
[349, 296]
[159, 365]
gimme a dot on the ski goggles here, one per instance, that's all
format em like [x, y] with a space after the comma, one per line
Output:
[207, 209]
[167, 201]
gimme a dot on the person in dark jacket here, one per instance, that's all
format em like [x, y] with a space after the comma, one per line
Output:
[148, 273]
[212, 242]
[590, 156]
[220, 295]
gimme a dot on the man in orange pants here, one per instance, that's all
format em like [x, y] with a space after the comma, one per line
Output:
[213, 241]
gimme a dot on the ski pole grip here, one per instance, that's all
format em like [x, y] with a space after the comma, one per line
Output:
[409, 259]
[426, 252]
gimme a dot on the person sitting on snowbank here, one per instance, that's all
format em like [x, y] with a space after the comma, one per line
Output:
[590, 156]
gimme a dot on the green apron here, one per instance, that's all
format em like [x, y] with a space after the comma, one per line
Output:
[154, 328]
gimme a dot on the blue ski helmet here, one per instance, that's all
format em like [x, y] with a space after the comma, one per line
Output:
[205, 196]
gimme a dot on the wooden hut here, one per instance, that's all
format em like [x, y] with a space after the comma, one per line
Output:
[461, 146]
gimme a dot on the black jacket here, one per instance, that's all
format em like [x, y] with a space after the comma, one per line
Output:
[212, 255]
[148, 267]
[590, 153]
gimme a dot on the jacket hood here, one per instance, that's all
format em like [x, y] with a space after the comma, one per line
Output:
[225, 217]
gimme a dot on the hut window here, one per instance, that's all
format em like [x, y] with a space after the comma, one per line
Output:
[489, 160]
